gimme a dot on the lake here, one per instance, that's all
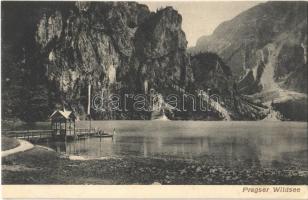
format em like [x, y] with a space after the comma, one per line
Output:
[259, 143]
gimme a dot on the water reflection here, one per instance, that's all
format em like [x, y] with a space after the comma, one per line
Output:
[218, 143]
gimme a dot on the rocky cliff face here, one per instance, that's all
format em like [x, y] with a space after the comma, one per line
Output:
[161, 50]
[273, 34]
[115, 47]
[215, 78]
[57, 54]
[266, 48]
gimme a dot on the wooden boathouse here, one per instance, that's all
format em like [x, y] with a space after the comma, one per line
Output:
[63, 127]
[63, 123]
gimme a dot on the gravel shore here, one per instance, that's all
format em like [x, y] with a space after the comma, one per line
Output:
[43, 166]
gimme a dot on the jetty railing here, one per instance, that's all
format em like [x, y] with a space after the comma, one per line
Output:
[43, 134]
[29, 134]
[82, 133]
[85, 131]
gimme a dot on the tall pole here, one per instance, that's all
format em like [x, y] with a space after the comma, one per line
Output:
[62, 90]
[89, 103]
[89, 99]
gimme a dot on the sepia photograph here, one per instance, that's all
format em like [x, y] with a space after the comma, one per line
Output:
[155, 93]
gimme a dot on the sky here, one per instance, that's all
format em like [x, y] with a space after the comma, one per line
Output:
[202, 17]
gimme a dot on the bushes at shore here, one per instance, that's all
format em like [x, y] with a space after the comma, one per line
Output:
[8, 143]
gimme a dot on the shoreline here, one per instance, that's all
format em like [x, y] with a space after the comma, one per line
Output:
[11, 124]
[22, 147]
[42, 166]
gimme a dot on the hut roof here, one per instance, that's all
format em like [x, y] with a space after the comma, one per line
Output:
[62, 114]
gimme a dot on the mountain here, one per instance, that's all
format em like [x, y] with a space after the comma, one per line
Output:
[266, 49]
[53, 52]
[114, 60]
[215, 79]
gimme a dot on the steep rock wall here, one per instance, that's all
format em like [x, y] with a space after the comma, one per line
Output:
[113, 46]
[243, 42]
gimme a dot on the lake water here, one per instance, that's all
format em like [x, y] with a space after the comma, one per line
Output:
[260, 143]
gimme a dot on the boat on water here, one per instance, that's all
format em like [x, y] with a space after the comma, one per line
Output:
[103, 135]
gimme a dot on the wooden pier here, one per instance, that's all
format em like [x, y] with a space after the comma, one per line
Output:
[63, 128]
[81, 134]
[34, 135]
[29, 134]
